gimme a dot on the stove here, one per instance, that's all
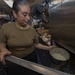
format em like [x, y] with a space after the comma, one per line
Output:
[44, 58]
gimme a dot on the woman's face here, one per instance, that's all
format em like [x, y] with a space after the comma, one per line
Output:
[23, 15]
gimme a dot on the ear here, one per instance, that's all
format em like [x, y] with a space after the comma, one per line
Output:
[14, 14]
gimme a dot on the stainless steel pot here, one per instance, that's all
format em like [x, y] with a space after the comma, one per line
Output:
[59, 55]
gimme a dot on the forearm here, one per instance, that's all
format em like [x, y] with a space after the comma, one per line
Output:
[3, 52]
[41, 46]
[2, 47]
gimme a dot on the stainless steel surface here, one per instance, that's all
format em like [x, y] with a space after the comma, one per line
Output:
[35, 67]
[62, 24]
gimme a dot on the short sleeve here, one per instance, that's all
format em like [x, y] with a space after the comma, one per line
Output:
[36, 39]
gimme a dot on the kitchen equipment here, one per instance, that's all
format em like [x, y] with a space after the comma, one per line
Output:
[59, 55]
[34, 66]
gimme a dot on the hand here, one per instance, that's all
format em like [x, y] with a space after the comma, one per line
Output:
[2, 54]
[51, 47]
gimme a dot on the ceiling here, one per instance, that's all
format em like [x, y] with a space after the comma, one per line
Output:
[5, 8]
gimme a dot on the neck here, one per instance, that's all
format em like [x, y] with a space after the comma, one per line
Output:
[22, 26]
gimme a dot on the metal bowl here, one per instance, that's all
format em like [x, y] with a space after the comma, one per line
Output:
[59, 55]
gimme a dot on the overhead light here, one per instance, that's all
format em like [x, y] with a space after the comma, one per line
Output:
[9, 3]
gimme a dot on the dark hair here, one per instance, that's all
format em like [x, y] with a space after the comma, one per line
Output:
[17, 3]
